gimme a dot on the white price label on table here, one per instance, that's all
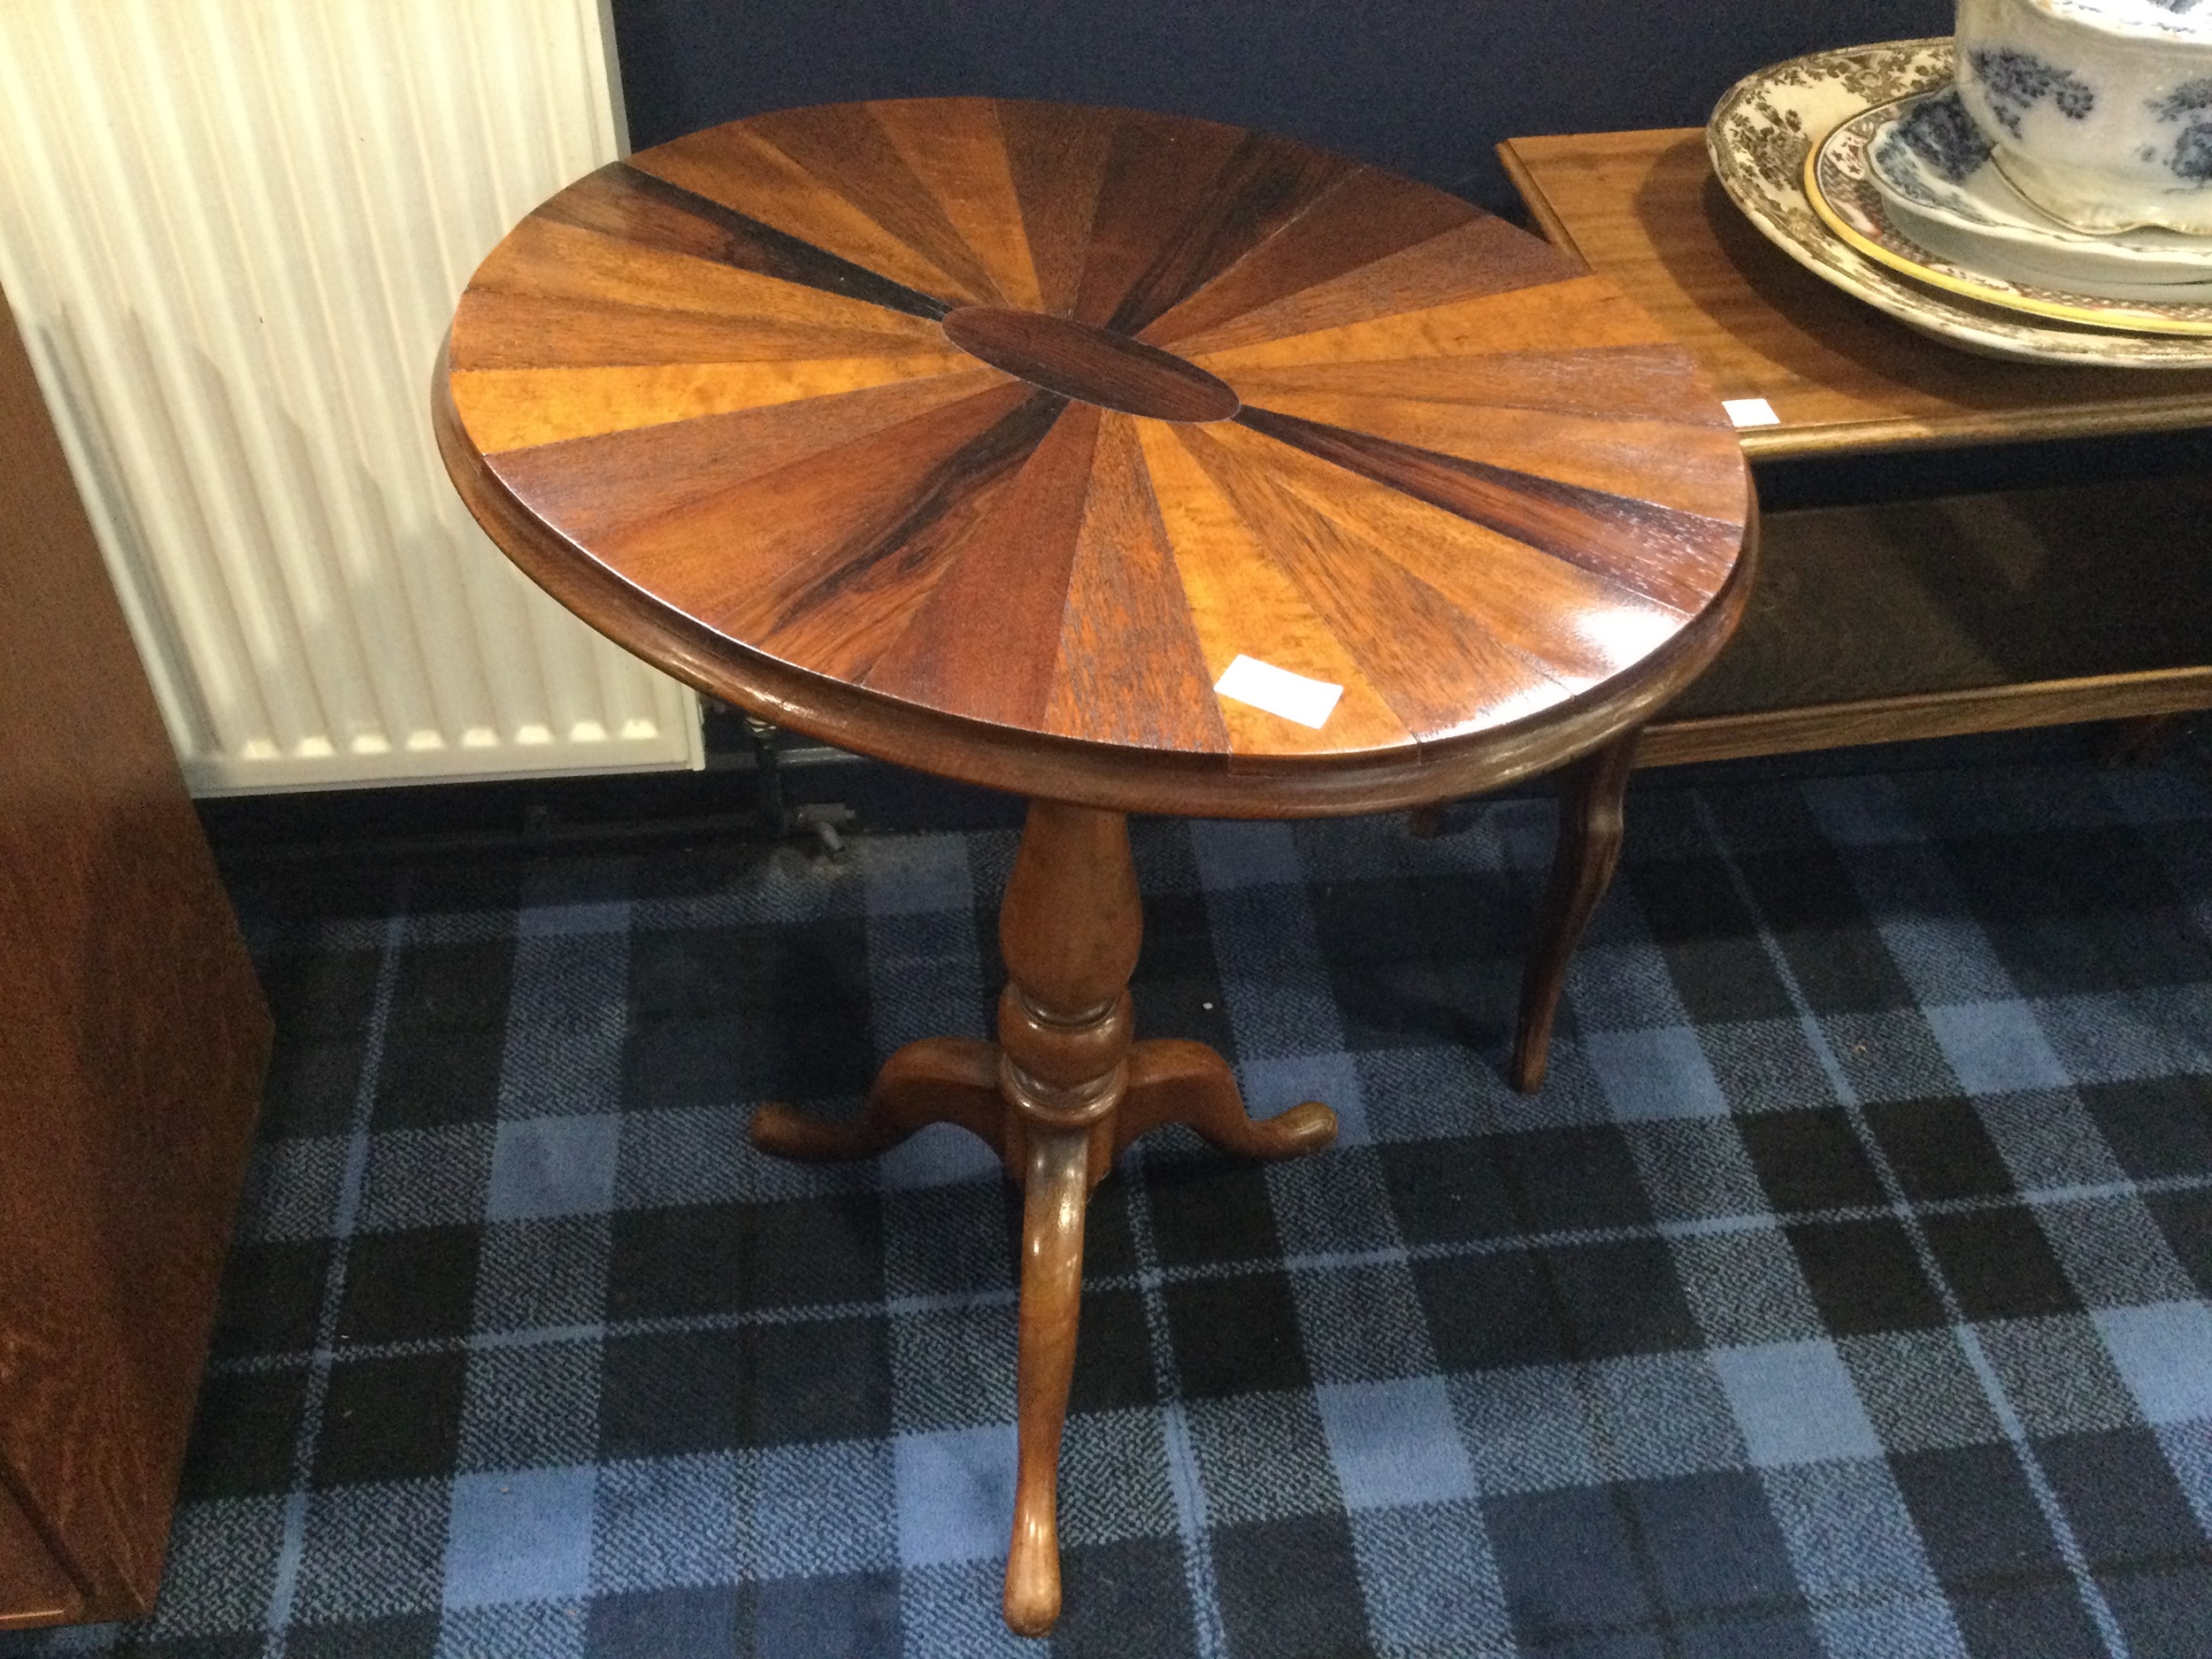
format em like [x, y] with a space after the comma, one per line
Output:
[1278, 691]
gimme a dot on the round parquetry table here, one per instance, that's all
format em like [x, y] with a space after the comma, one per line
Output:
[1129, 462]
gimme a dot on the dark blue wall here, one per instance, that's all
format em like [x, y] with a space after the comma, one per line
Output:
[1426, 87]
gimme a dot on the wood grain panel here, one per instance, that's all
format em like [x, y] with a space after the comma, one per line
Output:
[1583, 627]
[657, 209]
[954, 147]
[1439, 671]
[1265, 184]
[1159, 173]
[845, 148]
[836, 619]
[759, 559]
[1241, 605]
[1367, 217]
[1131, 671]
[749, 176]
[986, 642]
[514, 331]
[755, 536]
[33, 1587]
[667, 467]
[1057, 158]
[1116, 779]
[513, 408]
[1576, 314]
[1674, 559]
[1693, 468]
[1482, 257]
[556, 260]
[1628, 383]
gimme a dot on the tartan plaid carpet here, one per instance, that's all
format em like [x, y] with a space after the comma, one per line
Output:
[1843, 1294]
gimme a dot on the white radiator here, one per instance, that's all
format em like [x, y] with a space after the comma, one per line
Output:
[234, 232]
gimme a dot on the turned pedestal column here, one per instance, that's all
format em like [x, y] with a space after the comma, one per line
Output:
[1058, 1096]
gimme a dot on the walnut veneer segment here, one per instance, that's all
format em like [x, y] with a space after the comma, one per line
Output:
[1645, 211]
[1033, 419]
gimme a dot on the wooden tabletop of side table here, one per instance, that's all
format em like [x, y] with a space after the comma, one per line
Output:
[1895, 620]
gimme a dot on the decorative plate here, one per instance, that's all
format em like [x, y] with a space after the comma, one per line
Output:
[2034, 268]
[1767, 124]
[1930, 162]
[1838, 186]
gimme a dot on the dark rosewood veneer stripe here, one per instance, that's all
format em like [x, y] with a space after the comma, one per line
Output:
[627, 202]
[1000, 449]
[1266, 182]
[1678, 559]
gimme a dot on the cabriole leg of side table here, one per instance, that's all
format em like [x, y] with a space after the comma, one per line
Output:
[1588, 848]
[1061, 1092]
[1069, 928]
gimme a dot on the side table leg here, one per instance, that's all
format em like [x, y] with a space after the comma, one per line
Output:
[1588, 848]
[1056, 1192]
[1175, 1082]
[937, 1081]
[1069, 929]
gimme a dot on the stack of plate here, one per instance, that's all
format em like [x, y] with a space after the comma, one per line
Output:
[1897, 197]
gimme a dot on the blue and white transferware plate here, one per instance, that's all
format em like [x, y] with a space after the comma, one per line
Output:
[1839, 185]
[1937, 173]
[1760, 137]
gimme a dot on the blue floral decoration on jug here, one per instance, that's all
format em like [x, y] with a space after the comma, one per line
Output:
[2191, 157]
[1940, 133]
[2016, 81]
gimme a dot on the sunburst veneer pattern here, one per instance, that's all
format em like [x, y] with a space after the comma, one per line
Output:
[1037, 418]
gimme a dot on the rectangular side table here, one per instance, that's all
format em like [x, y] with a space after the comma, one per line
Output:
[1927, 619]
[1869, 624]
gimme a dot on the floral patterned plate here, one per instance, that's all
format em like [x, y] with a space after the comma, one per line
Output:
[1760, 137]
[1930, 161]
[1841, 189]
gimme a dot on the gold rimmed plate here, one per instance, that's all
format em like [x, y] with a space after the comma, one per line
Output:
[1839, 184]
[1759, 137]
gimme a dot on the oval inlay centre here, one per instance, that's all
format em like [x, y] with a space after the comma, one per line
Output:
[1094, 364]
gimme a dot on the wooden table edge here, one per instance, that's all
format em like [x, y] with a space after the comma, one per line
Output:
[2147, 413]
[1546, 218]
[1960, 713]
[1061, 769]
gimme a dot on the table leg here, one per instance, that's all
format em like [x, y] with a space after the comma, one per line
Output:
[937, 1081]
[1062, 1091]
[1187, 1083]
[1069, 928]
[1588, 848]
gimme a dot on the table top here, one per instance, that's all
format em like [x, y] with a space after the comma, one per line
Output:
[1644, 210]
[986, 436]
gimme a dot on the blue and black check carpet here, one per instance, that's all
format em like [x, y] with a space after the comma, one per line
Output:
[1843, 1294]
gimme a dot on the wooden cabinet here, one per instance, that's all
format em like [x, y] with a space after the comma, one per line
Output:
[133, 1038]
